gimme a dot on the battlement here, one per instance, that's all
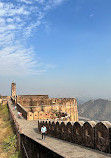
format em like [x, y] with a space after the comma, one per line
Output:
[64, 108]
[38, 100]
[89, 134]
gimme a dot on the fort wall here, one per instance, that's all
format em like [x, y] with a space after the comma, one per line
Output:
[68, 110]
[28, 147]
[26, 114]
[43, 107]
[35, 100]
[90, 134]
[33, 149]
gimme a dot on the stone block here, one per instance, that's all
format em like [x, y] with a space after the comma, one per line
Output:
[69, 131]
[13, 89]
[30, 116]
[46, 115]
[57, 129]
[40, 124]
[50, 128]
[63, 108]
[78, 132]
[36, 116]
[51, 115]
[53, 133]
[41, 115]
[89, 134]
[45, 108]
[103, 136]
[63, 130]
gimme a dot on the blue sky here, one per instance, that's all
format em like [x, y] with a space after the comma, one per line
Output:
[56, 47]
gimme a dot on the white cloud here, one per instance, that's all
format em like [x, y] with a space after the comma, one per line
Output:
[25, 1]
[17, 21]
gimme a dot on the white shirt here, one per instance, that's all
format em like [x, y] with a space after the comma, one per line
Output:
[18, 113]
[43, 129]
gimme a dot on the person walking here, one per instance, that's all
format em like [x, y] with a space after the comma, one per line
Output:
[19, 114]
[43, 132]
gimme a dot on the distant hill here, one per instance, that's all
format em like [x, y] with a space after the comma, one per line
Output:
[82, 99]
[99, 109]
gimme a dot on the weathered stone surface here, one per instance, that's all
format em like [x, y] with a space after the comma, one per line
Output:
[36, 115]
[13, 89]
[88, 134]
[103, 136]
[78, 132]
[39, 103]
[41, 115]
[30, 116]
[62, 148]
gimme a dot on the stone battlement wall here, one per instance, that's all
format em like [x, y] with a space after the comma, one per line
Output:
[32, 149]
[27, 115]
[69, 107]
[34, 97]
[36, 100]
[90, 134]
[28, 147]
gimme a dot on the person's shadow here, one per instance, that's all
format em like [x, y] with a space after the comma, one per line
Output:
[36, 130]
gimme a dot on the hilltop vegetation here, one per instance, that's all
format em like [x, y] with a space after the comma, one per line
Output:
[8, 141]
[99, 109]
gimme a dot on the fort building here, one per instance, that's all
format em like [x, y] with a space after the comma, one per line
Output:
[60, 116]
[43, 107]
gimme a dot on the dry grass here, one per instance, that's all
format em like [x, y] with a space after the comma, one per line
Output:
[2, 136]
[7, 137]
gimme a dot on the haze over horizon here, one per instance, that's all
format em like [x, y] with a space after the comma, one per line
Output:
[57, 47]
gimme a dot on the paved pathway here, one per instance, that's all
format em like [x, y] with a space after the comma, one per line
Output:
[65, 149]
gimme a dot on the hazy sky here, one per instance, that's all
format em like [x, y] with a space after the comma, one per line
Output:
[56, 47]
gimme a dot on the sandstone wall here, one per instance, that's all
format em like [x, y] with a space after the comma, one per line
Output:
[27, 146]
[68, 108]
[90, 134]
[63, 105]
[13, 89]
[35, 100]
[33, 149]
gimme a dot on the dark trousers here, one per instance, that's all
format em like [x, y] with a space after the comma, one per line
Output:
[43, 135]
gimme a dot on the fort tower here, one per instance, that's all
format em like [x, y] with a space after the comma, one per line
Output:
[13, 89]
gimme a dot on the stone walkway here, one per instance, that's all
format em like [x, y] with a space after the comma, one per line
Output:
[63, 148]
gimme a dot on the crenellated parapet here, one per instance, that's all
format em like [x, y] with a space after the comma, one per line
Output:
[89, 134]
[103, 136]
[66, 111]
[43, 107]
